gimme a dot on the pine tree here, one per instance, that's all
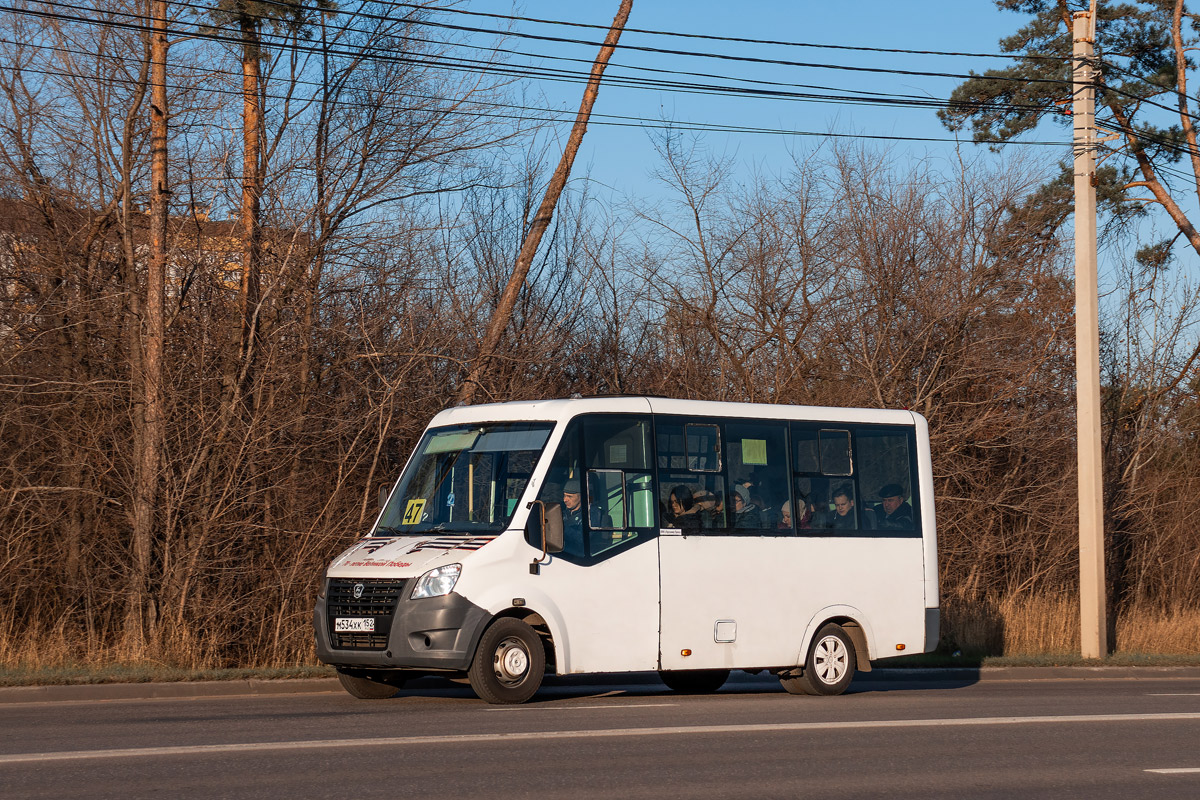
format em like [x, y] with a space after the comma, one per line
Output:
[1142, 50]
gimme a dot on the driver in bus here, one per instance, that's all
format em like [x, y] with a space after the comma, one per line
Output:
[572, 517]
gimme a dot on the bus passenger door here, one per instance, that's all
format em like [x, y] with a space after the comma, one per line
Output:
[605, 581]
[725, 556]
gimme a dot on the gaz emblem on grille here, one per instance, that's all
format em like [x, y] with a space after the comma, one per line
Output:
[358, 590]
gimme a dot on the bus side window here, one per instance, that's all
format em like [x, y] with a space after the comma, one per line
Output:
[758, 474]
[620, 484]
[563, 487]
[827, 492]
[691, 487]
[641, 501]
[693, 502]
[835, 452]
[885, 479]
[606, 499]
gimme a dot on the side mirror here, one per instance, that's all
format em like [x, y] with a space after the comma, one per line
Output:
[553, 528]
[544, 528]
[535, 525]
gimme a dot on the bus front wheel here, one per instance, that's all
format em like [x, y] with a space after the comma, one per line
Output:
[694, 681]
[829, 667]
[367, 688]
[509, 663]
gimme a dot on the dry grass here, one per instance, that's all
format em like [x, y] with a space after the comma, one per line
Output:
[1145, 630]
[1027, 626]
[1018, 626]
[67, 645]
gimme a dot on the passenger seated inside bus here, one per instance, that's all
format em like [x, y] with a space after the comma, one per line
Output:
[758, 496]
[712, 509]
[893, 513]
[746, 515]
[812, 496]
[843, 518]
[785, 517]
[682, 510]
[771, 498]
[807, 516]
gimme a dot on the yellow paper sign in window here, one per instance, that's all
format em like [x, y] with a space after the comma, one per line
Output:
[412, 512]
[754, 451]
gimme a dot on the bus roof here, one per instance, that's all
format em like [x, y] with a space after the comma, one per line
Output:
[562, 409]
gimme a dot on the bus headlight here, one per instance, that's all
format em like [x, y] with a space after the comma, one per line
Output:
[437, 581]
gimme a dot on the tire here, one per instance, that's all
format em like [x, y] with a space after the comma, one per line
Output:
[509, 663]
[370, 688]
[829, 667]
[694, 681]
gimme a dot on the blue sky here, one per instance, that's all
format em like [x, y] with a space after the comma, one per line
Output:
[620, 158]
[618, 161]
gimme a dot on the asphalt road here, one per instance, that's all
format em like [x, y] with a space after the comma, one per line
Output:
[1059, 738]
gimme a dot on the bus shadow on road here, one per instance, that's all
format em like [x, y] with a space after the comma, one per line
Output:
[647, 685]
[910, 680]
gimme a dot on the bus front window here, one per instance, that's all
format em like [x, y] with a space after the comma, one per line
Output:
[465, 478]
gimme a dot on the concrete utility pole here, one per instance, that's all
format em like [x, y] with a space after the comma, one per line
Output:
[1092, 616]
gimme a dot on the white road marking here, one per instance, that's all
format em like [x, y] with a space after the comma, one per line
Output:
[1174, 771]
[1173, 694]
[494, 738]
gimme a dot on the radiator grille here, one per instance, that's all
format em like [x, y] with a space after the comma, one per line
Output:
[377, 599]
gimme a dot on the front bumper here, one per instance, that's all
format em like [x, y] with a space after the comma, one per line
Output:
[432, 633]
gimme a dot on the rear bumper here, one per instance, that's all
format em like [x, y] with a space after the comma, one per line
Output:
[433, 633]
[933, 626]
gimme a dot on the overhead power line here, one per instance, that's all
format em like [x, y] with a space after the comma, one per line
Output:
[455, 63]
[1065, 59]
[547, 56]
[669, 51]
[611, 120]
[208, 71]
[499, 68]
[711, 37]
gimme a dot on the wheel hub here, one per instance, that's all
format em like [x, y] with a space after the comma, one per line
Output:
[511, 661]
[830, 659]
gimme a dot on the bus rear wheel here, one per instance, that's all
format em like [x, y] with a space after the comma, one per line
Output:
[380, 687]
[829, 667]
[694, 681]
[509, 663]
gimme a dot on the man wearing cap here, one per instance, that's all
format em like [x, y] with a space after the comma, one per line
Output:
[572, 517]
[893, 513]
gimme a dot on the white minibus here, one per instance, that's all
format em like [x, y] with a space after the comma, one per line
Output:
[623, 534]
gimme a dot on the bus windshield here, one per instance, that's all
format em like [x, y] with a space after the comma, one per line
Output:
[465, 478]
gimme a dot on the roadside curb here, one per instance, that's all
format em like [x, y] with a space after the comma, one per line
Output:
[989, 674]
[145, 691]
[259, 687]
